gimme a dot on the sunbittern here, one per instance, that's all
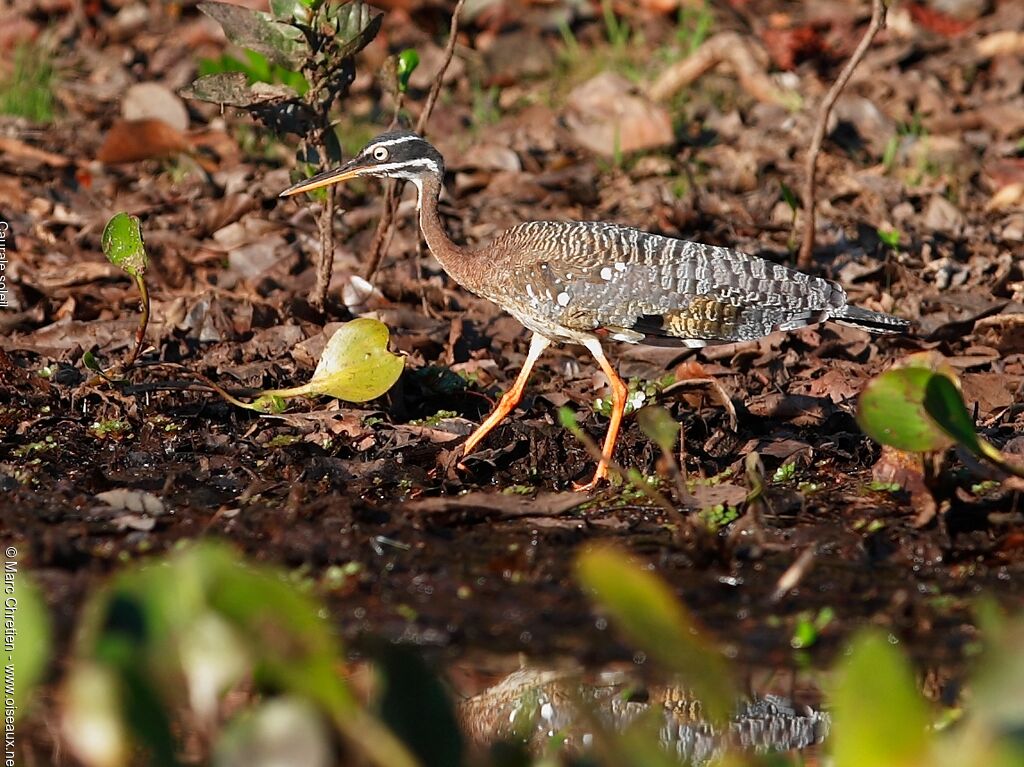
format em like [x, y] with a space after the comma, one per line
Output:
[584, 282]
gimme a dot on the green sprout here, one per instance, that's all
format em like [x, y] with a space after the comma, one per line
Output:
[124, 248]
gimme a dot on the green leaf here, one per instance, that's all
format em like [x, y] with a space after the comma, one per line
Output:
[891, 411]
[31, 645]
[290, 10]
[879, 719]
[890, 237]
[356, 365]
[123, 246]
[282, 44]
[355, 25]
[91, 363]
[789, 198]
[659, 426]
[944, 404]
[408, 60]
[567, 420]
[653, 620]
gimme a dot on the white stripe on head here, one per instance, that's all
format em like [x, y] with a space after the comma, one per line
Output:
[390, 142]
[419, 162]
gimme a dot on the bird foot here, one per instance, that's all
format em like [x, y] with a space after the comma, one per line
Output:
[599, 476]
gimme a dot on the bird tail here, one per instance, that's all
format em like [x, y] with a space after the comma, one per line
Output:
[876, 322]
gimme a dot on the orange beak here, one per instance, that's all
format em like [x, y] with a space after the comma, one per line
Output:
[327, 178]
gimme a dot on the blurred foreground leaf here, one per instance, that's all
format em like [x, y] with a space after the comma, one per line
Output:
[201, 610]
[654, 621]
[880, 719]
[31, 645]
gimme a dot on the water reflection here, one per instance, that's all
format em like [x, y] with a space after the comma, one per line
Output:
[536, 704]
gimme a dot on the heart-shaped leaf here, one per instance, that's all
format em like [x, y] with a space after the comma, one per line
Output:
[356, 365]
[123, 246]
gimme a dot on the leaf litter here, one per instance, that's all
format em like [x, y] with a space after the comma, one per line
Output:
[925, 144]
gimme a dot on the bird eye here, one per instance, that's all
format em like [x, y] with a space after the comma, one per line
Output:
[380, 154]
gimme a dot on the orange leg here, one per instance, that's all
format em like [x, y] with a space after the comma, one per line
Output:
[509, 399]
[619, 393]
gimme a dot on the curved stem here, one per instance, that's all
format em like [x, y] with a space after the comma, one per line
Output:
[140, 333]
[806, 257]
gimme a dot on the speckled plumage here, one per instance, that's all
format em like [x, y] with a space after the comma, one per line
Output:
[584, 282]
[563, 279]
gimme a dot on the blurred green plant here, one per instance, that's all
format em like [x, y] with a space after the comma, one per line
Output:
[164, 644]
[28, 89]
[918, 408]
[693, 25]
[653, 620]
[28, 650]
[889, 237]
[177, 634]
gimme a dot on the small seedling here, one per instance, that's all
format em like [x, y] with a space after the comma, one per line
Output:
[784, 473]
[890, 237]
[124, 248]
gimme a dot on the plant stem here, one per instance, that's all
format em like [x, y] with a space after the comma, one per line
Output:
[806, 257]
[325, 263]
[140, 333]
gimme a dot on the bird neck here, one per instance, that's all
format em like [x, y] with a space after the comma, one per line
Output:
[463, 264]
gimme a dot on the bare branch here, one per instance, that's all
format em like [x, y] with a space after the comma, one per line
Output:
[806, 260]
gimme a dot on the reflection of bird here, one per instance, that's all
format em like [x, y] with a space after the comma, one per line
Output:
[584, 282]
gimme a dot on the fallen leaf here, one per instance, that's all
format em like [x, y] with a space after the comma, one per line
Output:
[135, 140]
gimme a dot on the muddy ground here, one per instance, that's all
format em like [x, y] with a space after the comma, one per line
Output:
[362, 500]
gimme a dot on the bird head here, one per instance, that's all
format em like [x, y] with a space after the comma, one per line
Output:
[397, 154]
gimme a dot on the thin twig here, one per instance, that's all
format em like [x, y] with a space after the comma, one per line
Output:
[449, 51]
[805, 260]
[325, 264]
[385, 227]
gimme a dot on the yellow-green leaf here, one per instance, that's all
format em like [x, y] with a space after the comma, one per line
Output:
[356, 365]
[891, 411]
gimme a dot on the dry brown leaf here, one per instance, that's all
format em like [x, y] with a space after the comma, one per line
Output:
[135, 140]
